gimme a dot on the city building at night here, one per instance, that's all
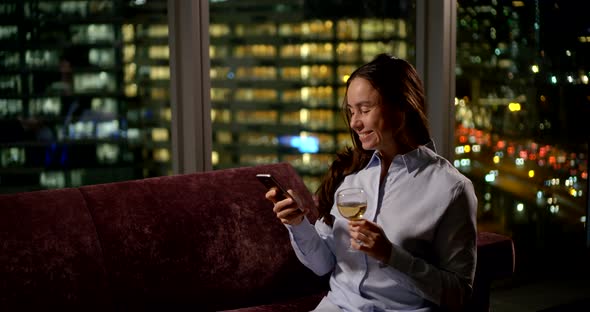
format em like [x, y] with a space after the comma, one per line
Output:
[522, 97]
[83, 93]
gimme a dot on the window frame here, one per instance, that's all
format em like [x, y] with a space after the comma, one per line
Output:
[435, 61]
[188, 36]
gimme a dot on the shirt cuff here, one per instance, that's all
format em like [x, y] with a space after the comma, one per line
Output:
[301, 232]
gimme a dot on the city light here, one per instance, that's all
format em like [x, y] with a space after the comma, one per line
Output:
[491, 176]
[518, 4]
[306, 158]
[514, 107]
[535, 69]
[510, 150]
[304, 116]
[465, 162]
[214, 157]
[531, 173]
[304, 143]
[573, 192]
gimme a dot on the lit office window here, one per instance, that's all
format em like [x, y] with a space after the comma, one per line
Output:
[278, 72]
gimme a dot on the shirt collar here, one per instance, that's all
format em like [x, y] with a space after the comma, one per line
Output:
[412, 160]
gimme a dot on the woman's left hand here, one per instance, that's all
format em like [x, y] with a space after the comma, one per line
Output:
[369, 237]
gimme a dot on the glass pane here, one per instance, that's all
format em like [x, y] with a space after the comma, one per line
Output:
[278, 70]
[522, 110]
[83, 92]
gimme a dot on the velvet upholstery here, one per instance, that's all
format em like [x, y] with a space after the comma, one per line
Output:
[49, 252]
[200, 242]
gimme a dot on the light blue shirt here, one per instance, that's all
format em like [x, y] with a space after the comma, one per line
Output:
[427, 209]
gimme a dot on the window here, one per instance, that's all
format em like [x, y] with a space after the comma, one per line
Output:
[83, 93]
[278, 71]
[522, 107]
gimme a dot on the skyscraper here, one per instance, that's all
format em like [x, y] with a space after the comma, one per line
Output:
[84, 92]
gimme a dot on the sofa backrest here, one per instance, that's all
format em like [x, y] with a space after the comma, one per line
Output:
[50, 253]
[208, 240]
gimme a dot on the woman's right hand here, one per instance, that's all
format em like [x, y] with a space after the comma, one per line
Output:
[286, 210]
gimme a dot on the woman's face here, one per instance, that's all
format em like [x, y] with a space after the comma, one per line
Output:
[368, 117]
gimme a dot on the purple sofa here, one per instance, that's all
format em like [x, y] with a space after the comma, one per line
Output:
[201, 242]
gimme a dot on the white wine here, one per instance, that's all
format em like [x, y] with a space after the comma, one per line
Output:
[352, 210]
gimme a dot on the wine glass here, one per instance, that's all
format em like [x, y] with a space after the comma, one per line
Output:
[352, 204]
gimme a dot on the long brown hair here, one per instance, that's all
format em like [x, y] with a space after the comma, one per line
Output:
[401, 90]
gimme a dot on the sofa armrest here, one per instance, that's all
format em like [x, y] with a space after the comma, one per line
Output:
[495, 260]
[495, 255]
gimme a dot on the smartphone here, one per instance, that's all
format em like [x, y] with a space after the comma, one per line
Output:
[269, 181]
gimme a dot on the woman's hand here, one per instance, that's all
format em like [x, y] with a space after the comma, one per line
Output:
[287, 210]
[369, 237]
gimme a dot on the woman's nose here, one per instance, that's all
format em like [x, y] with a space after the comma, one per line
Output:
[355, 123]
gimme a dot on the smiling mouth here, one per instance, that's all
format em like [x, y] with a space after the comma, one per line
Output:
[362, 135]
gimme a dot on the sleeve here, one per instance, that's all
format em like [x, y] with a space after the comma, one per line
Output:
[449, 282]
[312, 245]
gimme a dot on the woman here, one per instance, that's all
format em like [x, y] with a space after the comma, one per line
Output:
[417, 242]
